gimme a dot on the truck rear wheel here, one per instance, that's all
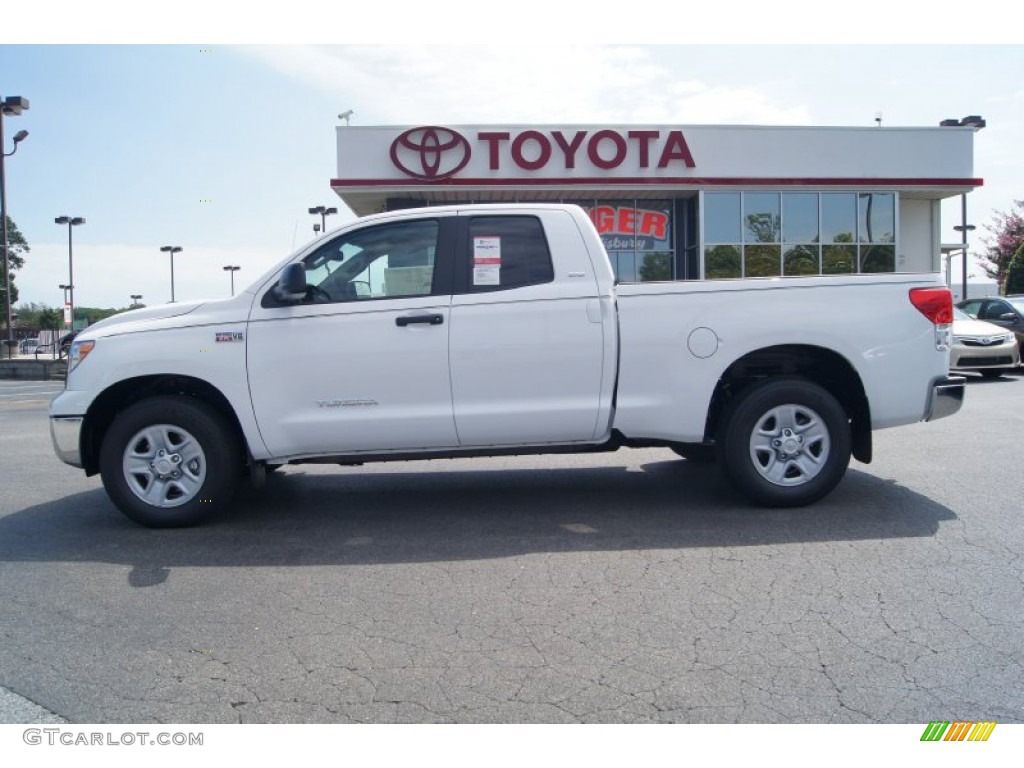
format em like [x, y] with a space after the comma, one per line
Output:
[169, 462]
[785, 443]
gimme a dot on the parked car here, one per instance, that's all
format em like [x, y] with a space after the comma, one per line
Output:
[982, 347]
[1005, 311]
[27, 346]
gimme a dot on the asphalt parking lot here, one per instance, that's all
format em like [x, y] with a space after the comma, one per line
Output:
[625, 587]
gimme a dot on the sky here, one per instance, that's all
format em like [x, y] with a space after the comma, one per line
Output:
[221, 148]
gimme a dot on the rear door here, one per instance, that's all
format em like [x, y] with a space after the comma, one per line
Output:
[362, 363]
[529, 334]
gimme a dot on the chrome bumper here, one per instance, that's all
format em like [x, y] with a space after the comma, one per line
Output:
[65, 432]
[946, 397]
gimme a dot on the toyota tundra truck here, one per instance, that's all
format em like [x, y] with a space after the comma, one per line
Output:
[487, 330]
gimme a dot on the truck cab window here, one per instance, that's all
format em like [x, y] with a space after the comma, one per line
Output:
[383, 262]
[507, 252]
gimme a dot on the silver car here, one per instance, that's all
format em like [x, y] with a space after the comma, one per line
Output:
[982, 347]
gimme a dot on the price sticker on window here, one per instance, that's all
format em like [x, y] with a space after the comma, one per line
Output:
[487, 260]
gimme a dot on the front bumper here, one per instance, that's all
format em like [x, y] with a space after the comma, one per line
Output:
[66, 432]
[945, 398]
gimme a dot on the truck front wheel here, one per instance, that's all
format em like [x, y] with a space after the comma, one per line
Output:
[785, 443]
[169, 462]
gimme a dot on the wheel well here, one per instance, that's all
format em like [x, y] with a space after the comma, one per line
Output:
[116, 398]
[824, 367]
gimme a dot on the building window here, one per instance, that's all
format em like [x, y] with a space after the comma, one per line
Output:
[767, 234]
[637, 235]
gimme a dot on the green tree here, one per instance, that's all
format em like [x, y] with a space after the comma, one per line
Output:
[656, 266]
[28, 314]
[765, 227]
[1007, 236]
[17, 247]
[95, 314]
[1015, 273]
[50, 319]
[722, 261]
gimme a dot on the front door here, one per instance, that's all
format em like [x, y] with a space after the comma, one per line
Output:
[362, 363]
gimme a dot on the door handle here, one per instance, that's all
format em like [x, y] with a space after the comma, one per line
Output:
[401, 322]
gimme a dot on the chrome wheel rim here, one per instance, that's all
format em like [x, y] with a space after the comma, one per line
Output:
[164, 465]
[789, 445]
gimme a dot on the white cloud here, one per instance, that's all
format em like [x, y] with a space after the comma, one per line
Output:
[542, 84]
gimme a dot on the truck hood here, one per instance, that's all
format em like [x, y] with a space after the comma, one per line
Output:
[147, 313]
[168, 316]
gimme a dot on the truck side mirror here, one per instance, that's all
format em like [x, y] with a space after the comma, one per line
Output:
[292, 285]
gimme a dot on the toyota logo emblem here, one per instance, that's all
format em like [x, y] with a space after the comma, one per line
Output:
[430, 153]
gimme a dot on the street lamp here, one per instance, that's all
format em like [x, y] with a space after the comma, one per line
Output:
[232, 270]
[135, 299]
[171, 249]
[12, 105]
[975, 123]
[65, 288]
[324, 213]
[71, 221]
[963, 229]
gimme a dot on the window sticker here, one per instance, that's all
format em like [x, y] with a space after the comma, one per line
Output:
[487, 260]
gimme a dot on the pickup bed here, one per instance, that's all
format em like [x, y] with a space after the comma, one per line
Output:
[489, 330]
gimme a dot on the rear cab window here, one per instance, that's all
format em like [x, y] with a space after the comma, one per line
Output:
[506, 252]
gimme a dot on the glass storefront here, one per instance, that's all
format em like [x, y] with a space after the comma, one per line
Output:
[744, 234]
[638, 235]
[769, 234]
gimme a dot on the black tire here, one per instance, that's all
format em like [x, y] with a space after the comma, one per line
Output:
[697, 454]
[194, 476]
[785, 442]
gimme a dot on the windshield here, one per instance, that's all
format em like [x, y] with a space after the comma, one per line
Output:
[959, 314]
[1018, 303]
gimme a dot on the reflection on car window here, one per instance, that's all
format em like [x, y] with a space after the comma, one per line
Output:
[971, 307]
[387, 261]
[993, 310]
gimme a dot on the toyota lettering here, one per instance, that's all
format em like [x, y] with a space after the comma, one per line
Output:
[432, 153]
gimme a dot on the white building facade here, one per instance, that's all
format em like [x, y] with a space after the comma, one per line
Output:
[689, 202]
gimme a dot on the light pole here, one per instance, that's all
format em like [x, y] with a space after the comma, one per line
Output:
[12, 105]
[963, 228]
[64, 309]
[324, 213]
[975, 123]
[135, 299]
[171, 249]
[71, 221]
[232, 270]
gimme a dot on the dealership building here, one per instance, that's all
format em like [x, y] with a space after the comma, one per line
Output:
[690, 202]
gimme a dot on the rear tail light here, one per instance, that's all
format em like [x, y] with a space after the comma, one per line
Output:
[934, 303]
[937, 305]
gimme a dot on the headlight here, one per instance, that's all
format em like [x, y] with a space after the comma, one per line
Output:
[79, 351]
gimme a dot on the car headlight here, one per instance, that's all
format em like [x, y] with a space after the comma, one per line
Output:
[79, 351]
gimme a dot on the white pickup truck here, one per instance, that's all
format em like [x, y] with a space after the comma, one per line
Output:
[493, 330]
